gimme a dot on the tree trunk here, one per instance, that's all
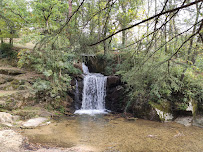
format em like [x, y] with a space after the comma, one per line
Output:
[165, 38]
[2, 40]
[69, 8]
[11, 41]
[191, 40]
[99, 26]
[123, 38]
[155, 46]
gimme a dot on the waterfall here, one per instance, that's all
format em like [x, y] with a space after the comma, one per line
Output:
[94, 92]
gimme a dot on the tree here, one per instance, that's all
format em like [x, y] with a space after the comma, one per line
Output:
[48, 15]
[12, 18]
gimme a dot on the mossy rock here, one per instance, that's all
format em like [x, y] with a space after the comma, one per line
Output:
[162, 105]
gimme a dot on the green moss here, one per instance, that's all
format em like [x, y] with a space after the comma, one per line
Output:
[162, 105]
[27, 112]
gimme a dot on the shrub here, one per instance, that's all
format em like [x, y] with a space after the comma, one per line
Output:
[6, 51]
[152, 82]
[56, 67]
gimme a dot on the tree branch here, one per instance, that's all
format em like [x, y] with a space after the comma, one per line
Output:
[150, 18]
[184, 43]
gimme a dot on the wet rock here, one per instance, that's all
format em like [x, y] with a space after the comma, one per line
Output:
[187, 121]
[114, 98]
[77, 103]
[73, 82]
[34, 122]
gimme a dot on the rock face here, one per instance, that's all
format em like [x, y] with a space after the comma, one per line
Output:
[114, 100]
[95, 64]
[113, 81]
[77, 84]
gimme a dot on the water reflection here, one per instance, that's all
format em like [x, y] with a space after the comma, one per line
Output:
[110, 133]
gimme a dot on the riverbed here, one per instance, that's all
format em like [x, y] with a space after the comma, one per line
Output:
[116, 134]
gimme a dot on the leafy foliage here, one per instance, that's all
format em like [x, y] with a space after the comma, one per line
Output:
[55, 65]
[6, 51]
[157, 83]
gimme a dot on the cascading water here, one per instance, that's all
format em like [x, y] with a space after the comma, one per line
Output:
[94, 92]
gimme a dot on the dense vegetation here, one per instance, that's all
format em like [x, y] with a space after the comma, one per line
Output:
[155, 46]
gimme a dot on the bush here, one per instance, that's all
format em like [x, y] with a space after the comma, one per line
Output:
[6, 51]
[56, 67]
[149, 82]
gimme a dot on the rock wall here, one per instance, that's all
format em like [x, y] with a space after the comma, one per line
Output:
[114, 100]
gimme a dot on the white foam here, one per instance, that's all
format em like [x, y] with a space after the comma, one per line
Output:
[90, 112]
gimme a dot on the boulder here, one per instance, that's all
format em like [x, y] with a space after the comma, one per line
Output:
[164, 116]
[34, 122]
[10, 141]
[198, 121]
[7, 118]
[187, 121]
[145, 111]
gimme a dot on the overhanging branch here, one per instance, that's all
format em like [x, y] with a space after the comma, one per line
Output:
[148, 19]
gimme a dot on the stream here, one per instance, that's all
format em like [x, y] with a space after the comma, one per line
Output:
[107, 133]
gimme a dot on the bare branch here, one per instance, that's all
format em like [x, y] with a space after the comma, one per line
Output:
[184, 43]
[150, 18]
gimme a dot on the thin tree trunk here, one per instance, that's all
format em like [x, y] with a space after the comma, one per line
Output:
[11, 41]
[193, 31]
[69, 8]
[123, 38]
[165, 38]
[99, 26]
[147, 21]
[155, 25]
[2, 40]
